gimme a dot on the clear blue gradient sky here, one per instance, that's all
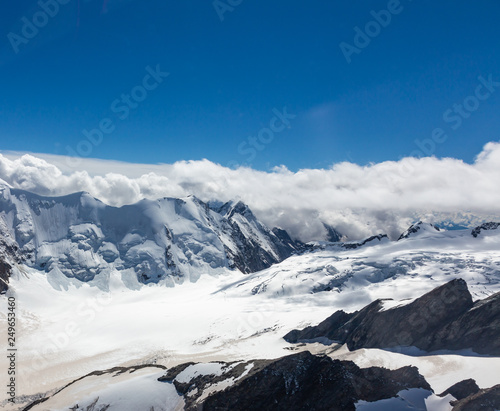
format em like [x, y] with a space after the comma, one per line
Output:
[227, 79]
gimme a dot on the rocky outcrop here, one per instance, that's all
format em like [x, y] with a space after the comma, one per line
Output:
[486, 226]
[332, 235]
[444, 319]
[415, 228]
[484, 400]
[353, 246]
[327, 329]
[257, 247]
[301, 382]
[477, 328]
[462, 389]
[9, 254]
[5, 271]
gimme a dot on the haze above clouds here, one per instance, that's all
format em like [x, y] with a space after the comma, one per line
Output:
[357, 200]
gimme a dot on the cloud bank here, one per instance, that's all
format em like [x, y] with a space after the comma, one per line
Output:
[357, 200]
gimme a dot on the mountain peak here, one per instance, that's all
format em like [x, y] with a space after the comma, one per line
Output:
[419, 228]
[231, 208]
[332, 235]
[83, 238]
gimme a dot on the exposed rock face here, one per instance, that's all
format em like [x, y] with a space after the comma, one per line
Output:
[257, 246]
[415, 228]
[484, 400]
[9, 253]
[352, 246]
[486, 226]
[477, 328]
[5, 270]
[297, 382]
[332, 235]
[300, 382]
[444, 318]
[462, 389]
[326, 329]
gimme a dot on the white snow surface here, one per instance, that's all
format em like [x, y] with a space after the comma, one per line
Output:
[129, 391]
[196, 370]
[167, 241]
[67, 328]
[400, 270]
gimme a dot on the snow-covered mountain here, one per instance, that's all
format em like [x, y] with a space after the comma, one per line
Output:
[423, 256]
[169, 240]
[84, 275]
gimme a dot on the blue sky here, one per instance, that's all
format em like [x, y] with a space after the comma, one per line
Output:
[228, 79]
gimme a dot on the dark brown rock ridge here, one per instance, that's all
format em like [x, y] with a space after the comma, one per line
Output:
[484, 400]
[301, 381]
[462, 389]
[484, 227]
[443, 319]
[8, 256]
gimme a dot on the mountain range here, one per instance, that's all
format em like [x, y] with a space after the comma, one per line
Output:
[167, 241]
[180, 304]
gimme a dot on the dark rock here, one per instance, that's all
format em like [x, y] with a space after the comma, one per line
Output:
[325, 329]
[332, 235]
[353, 246]
[486, 226]
[409, 325]
[297, 382]
[286, 240]
[443, 319]
[477, 328]
[462, 389]
[9, 253]
[5, 272]
[415, 228]
[250, 256]
[307, 382]
[484, 400]
[170, 375]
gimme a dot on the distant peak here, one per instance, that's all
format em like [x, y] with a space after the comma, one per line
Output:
[418, 227]
[332, 235]
[231, 208]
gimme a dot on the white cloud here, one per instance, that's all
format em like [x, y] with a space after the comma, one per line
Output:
[357, 200]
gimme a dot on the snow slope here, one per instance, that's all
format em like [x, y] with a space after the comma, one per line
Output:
[90, 279]
[68, 329]
[120, 390]
[382, 269]
[168, 240]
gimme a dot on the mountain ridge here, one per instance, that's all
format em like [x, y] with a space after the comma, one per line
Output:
[445, 318]
[166, 239]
